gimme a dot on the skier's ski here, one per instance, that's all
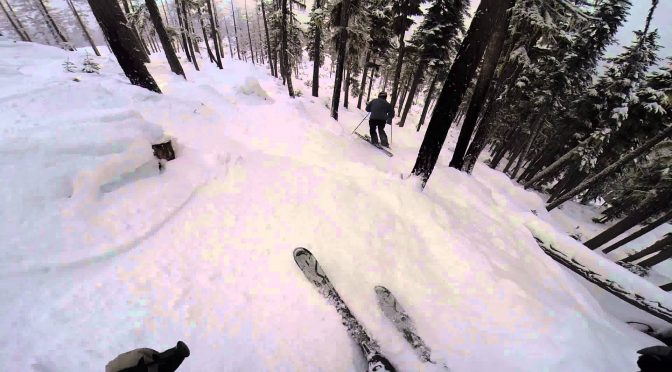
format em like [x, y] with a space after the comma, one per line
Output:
[313, 271]
[393, 311]
[379, 147]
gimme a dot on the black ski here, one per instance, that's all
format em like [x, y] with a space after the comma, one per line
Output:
[313, 271]
[379, 147]
[403, 322]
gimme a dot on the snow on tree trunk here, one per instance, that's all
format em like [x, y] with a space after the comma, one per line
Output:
[173, 61]
[481, 90]
[122, 42]
[641, 232]
[461, 73]
[632, 155]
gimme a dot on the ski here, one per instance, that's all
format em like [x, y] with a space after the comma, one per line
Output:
[379, 147]
[313, 271]
[404, 324]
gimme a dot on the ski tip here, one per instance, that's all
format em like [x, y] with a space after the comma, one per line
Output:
[300, 251]
[381, 290]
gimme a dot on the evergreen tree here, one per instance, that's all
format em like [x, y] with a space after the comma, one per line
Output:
[404, 11]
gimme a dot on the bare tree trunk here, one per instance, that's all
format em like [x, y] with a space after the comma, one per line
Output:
[536, 129]
[480, 91]
[228, 37]
[318, 55]
[188, 29]
[235, 30]
[641, 232]
[213, 59]
[173, 61]
[271, 63]
[461, 73]
[145, 50]
[397, 69]
[15, 22]
[417, 78]
[340, 61]
[123, 43]
[346, 89]
[428, 100]
[660, 257]
[53, 26]
[182, 23]
[362, 87]
[287, 72]
[368, 94]
[630, 156]
[215, 35]
[249, 35]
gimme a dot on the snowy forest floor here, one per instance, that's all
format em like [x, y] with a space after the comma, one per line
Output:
[101, 253]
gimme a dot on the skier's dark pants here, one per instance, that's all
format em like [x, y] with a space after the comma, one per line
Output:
[380, 125]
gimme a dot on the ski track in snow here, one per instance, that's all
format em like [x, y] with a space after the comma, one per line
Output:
[202, 252]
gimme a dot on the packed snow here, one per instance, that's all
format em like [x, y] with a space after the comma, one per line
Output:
[103, 253]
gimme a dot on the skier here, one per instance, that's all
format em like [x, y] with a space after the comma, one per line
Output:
[382, 112]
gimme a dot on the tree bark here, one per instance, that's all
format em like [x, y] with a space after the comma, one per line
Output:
[417, 78]
[346, 89]
[365, 73]
[641, 232]
[228, 37]
[15, 23]
[655, 247]
[215, 35]
[187, 29]
[318, 55]
[181, 21]
[173, 61]
[481, 90]
[640, 214]
[54, 27]
[536, 129]
[630, 156]
[235, 30]
[660, 257]
[249, 34]
[428, 100]
[368, 94]
[397, 69]
[211, 55]
[122, 42]
[287, 73]
[340, 61]
[461, 73]
[556, 166]
[268, 44]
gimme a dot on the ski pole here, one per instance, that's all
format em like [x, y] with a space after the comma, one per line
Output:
[360, 124]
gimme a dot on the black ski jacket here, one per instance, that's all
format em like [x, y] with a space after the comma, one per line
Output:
[380, 109]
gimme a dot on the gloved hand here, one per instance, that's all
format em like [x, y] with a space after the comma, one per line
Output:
[655, 359]
[149, 360]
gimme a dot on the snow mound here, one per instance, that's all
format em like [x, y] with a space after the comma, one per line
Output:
[251, 87]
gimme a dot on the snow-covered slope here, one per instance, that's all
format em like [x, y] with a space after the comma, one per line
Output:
[102, 254]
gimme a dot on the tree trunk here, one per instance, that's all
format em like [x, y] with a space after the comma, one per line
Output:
[53, 26]
[287, 71]
[141, 43]
[397, 69]
[630, 156]
[173, 61]
[235, 30]
[249, 35]
[461, 73]
[268, 42]
[482, 135]
[556, 166]
[122, 42]
[368, 94]
[666, 287]
[346, 89]
[641, 232]
[536, 129]
[480, 91]
[211, 55]
[655, 247]
[340, 61]
[215, 35]
[228, 37]
[365, 72]
[187, 30]
[185, 41]
[640, 214]
[417, 78]
[318, 55]
[428, 100]
[404, 90]
[660, 257]
[16, 24]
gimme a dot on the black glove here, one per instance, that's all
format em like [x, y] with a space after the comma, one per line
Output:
[140, 360]
[655, 359]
